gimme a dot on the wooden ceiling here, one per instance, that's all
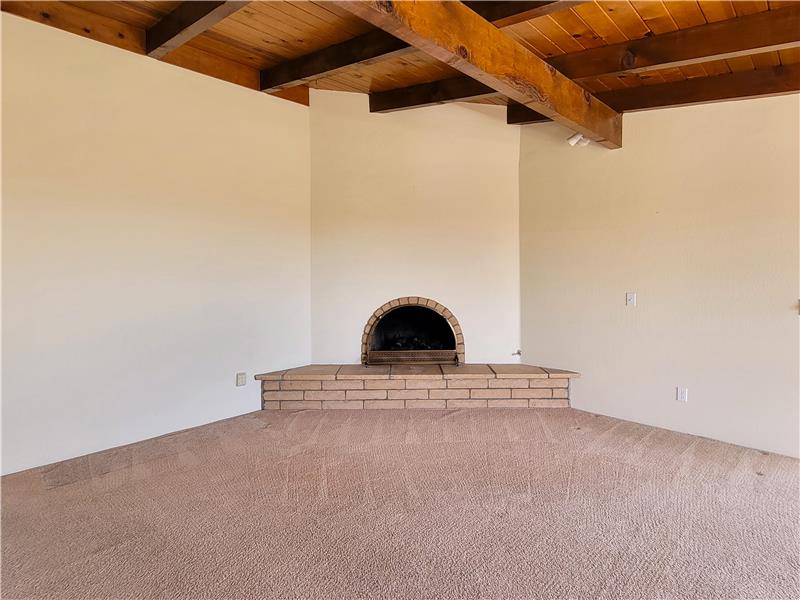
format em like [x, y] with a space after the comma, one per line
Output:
[683, 51]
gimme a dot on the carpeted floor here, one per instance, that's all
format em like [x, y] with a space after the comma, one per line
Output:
[500, 503]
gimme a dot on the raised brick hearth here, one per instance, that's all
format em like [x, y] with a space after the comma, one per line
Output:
[415, 386]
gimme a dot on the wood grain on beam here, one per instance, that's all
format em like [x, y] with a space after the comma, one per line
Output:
[428, 94]
[187, 21]
[507, 13]
[299, 94]
[371, 46]
[776, 81]
[455, 89]
[79, 21]
[379, 45]
[454, 34]
[761, 32]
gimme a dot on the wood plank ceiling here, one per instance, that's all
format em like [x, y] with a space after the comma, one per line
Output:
[268, 41]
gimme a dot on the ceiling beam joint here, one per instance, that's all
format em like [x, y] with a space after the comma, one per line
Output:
[452, 33]
[187, 21]
[379, 45]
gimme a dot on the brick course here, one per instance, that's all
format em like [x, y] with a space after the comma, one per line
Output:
[385, 384]
[458, 403]
[408, 394]
[448, 394]
[493, 393]
[426, 404]
[346, 384]
[342, 404]
[331, 387]
[384, 404]
[366, 394]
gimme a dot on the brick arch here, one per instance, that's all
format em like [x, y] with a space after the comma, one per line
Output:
[413, 301]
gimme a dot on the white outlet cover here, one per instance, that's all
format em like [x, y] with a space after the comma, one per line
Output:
[241, 379]
[682, 394]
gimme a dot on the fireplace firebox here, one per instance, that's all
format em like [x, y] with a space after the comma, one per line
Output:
[412, 330]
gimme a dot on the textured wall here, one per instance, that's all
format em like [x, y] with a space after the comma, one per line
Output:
[415, 203]
[155, 242]
[698, 214]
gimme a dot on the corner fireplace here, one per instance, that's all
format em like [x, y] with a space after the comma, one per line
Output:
[412, 330]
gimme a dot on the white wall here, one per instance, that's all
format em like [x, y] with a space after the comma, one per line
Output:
[155, 242]
[422, 202]
[698, 214]
[157, 238]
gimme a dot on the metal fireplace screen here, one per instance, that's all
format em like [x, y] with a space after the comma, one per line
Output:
[412, 334]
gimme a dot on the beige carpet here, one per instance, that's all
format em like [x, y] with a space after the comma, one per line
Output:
[499, 503]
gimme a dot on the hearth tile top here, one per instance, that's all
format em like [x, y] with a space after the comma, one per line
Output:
[362, 372]
[467, 372]
[561, 372]
[313, 372]
[273, 376]
[447, 372]
[517, 371]
[416, 372]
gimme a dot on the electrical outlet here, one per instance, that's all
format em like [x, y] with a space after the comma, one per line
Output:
[241, 379]
[682, 394]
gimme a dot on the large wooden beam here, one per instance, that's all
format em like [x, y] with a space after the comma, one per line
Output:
[455, 89]
[427, 94]
[187, 21]
[379, 45]
[374, 45]
[454, 34]
[776, 81]
[761, 32]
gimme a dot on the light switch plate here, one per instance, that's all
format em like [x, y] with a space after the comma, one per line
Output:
[630, 298]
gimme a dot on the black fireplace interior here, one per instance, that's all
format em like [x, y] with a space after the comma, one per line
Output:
[412, 328]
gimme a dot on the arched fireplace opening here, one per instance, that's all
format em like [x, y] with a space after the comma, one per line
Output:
[412, 330]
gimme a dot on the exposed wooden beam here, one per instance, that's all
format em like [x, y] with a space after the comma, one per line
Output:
[379, 45]
[455, 89]
[775, 81]
[507, 13]
[187, 21]
[761, 32]
[77, 20]
[518, 114]
[84, 23]
[428, 94]
[454, 34]
[371, 46]
[299, 94]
